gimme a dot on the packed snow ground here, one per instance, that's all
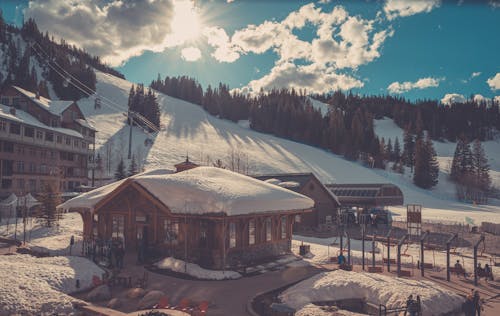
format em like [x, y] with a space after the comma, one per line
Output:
[374, 288]
[39, 286]
[187, 128]
[54, 240]
[195, 270]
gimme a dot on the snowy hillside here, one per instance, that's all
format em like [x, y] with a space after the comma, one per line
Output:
[188, 129]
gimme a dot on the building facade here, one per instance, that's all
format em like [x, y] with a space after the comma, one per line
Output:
[41, 142]
[326, 204]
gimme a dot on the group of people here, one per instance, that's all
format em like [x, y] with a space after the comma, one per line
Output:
[413, 306]
[486, 271]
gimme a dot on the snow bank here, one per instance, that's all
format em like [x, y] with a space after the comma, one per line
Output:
[195, 270]
[55, 240]
[39, 286]
[206, 190]
[375, 288]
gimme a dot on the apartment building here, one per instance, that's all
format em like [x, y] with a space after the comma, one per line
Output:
[42, 141]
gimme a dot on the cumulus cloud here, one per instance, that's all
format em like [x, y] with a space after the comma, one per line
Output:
[115, 30]
[494, 82]
[422, 83]
[475, 74]
[314, 78]
[451, 98]
[402, 8]
[191, 53]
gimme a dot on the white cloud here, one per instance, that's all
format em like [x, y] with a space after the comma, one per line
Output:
[422, 83]
[494, 82]
[224, 50]
[191, 53]
[117, 30]
[451, 98]
[494, 3]
[402, 8]
[314, 78]
[475, 74]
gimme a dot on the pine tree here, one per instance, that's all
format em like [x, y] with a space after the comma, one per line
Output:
[389, 151]
[457, 163]
[426, 165]
[132, 168]
[50, 198]
[120, 170]
[408, 148]
[433, 162]
[397, 150]
[481, 168]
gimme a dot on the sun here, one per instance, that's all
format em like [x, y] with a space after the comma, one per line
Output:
[186, 23]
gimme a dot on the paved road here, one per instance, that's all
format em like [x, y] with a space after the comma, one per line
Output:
[228, 297]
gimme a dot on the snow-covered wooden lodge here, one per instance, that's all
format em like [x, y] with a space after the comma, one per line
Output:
[206, 215]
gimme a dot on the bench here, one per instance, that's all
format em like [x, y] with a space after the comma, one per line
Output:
[459, 271]
[375, 269]
[405, 273]
[428, 265]
[391, 260]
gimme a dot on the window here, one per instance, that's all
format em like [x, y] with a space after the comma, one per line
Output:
[5, 101]
[3, 126]
[232, 235]
[251, 232]
[20, 166]
[7, 167]
[6, 184]
[29, 131]
[49, 136]
[283, 227]
[32, 185]
[59, 139]
[84, 145]
[32, 168]
[269, 232]
[75, 144]
[68, 141]
[43, 169]
[15, 129]
[20, 184]
[53, 155]
[118, 226]
[39, 135]
[171, 229]
[8, 147]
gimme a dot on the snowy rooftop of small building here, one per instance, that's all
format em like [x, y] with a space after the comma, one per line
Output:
[205, 190]
[53, 106]
[26, 118]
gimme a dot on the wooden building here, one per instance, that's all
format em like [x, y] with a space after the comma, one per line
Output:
[326, 205]
[206, 215]
[367, 195]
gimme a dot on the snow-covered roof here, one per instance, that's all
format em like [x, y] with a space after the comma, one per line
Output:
[11, 200]
[53, 106]
[26, 118]
[205, 190]
[85, 123]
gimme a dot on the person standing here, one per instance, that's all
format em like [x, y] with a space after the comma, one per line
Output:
[476, 300]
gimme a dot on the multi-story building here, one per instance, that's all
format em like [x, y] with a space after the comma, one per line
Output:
[42, 141]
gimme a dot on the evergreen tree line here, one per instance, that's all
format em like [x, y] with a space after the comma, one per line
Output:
[122, 172]
[144, 103]
[18, 61]
[470, 171]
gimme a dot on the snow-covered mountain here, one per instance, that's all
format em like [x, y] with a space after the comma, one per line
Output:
[188, 129]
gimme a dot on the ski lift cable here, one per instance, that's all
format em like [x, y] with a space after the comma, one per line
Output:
[107, 101]
[93, 94]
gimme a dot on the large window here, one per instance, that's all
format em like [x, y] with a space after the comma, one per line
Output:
[283, 227]
[49, 136]
[171, 229]
[15, 128]
[269, 231]
[39, 135]
[3, 126]
[20, 166]
[251, 232]
[118, 226]
[29, 131]
[232, 235]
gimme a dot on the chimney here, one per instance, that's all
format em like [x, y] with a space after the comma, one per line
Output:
[12, 110]
[37, 95]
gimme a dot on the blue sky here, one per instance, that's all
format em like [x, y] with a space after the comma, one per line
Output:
[416, 49]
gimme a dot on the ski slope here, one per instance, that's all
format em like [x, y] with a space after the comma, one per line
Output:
[188, 129]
